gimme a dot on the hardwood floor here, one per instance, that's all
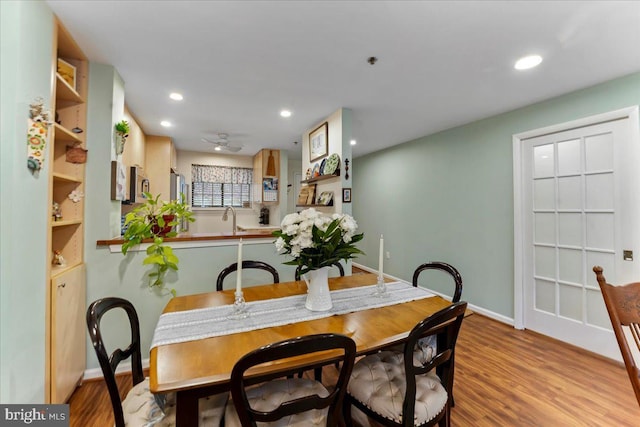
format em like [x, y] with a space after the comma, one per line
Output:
[504, 377]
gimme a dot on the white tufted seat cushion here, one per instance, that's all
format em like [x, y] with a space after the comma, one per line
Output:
[141, 409]
[268, 396]
[378, 381]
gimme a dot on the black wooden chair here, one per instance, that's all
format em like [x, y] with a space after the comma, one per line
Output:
[293, 401]
[140, 407]
[389, 388]
[245, 265]
[298, 276]
[441, 266]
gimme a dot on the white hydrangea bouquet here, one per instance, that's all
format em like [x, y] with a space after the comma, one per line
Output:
[315, 240]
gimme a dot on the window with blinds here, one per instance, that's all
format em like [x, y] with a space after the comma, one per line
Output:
[219, 186]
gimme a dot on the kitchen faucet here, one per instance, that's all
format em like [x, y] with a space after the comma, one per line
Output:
[225, 217]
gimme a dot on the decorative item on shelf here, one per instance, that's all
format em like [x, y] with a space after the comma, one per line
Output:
[346, 195]
[271, 165]
[67, 72]
[322, 164]
[316, 171]
[75, 196]
[58, 259]
[154, 220]
[37, 134]
[76, 129]
[318, 142]
[326, 198]
[311, 195]
[121, 134]
[307, 174]
[56, 212]
[315, 241]
[76, 154]
[346, 168]
[303, 196]
[332, 165]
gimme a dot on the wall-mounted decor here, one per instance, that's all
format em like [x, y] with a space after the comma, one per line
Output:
[346, 195]
[319, 142]
[118, 181]
[37, 134]
[121, 134]
[67, 72]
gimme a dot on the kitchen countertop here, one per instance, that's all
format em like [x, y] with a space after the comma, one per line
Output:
[263, 233]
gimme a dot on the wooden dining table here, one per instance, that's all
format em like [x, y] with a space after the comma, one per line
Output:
[202, 367]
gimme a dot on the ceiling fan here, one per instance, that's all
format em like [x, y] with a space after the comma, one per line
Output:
[220, 142]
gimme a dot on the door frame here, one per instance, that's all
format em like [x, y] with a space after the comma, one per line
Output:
[630, 113]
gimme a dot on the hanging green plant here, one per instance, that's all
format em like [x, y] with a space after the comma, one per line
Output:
[156, 220]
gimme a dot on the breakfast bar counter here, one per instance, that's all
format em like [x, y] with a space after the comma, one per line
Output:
[200, 237]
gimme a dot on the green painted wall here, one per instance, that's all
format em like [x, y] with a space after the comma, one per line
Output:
[25, 64]
[449, 196]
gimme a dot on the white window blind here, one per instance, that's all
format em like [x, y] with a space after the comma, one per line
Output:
[219, 186]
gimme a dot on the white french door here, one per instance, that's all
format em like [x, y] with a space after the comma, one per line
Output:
[579, 200]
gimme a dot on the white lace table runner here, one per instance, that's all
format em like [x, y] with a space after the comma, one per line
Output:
[209, 322]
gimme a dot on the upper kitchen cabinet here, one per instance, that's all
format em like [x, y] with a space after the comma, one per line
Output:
[160, 161]
[266, 175]
[66, 280]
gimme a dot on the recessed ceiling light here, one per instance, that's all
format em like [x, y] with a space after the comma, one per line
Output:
[353, 142]
[285, 113]
[217, 148]
[176, 96]
[165, 123]
[528, 62]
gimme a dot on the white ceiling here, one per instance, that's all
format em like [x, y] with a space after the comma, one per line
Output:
[441, 63]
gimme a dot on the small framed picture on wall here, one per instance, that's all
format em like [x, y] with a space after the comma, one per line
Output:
[346, 195]
[318, 142]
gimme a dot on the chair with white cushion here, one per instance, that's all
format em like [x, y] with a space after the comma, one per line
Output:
[140, 407]
[388, 388]
[288, 401]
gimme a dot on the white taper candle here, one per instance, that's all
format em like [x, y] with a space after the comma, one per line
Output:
[239, 274]
[381, 258]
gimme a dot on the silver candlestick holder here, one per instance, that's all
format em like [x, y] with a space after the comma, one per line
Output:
[381, 289]
[239, 307]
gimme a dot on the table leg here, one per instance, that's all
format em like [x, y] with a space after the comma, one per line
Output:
[186, 409]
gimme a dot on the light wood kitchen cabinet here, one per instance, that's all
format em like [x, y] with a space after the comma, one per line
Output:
[266, 176]
[159, 156]
[68, 306]
[65, 286]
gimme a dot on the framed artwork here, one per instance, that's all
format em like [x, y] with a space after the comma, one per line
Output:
[318, 142]
[118, 181]
[346, 195]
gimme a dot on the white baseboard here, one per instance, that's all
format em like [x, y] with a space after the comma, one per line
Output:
[124, 367]
[488, 313]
